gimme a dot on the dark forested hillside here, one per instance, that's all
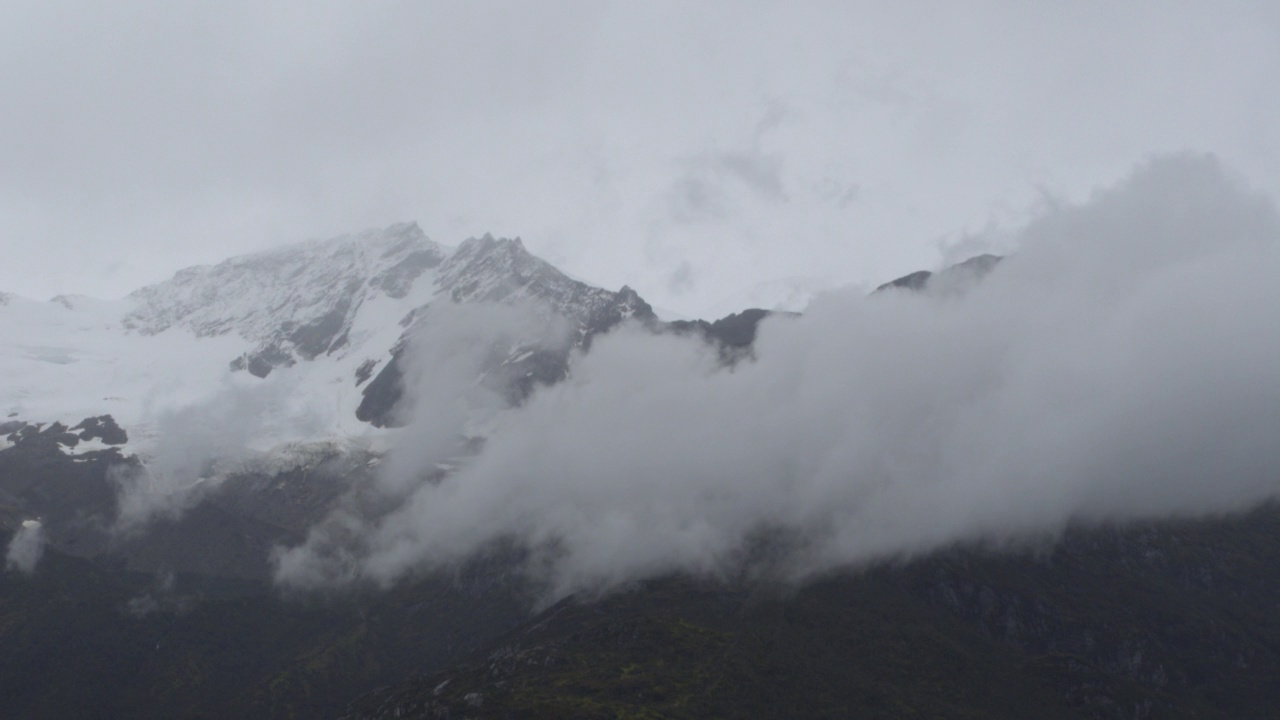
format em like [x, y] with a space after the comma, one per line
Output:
[1164, 620]
[82, 640]
[1161, 620]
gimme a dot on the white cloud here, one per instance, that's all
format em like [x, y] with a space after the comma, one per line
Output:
[457, 381]
[26, 548]
[1124, 363]
[199, 443]
[149, 137]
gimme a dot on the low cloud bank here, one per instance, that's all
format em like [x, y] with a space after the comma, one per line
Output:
[459, 366]
[1124, 363]
[26, 548]
[197, 443]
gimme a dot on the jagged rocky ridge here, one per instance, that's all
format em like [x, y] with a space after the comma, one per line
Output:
[954, 278]
[341, 308]
[502, 271]
[336, 313]
[296, 302]
[304, 301]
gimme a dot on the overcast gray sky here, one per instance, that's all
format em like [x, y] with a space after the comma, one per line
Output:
[695, 151]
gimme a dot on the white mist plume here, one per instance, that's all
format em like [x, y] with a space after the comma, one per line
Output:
[456, 378]
[26, 548]
[197, 443]
[1123, 364]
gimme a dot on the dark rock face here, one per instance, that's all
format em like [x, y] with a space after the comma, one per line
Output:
[47, 439]
[398, 279]
[955, 278]
[382, 394]
[319, 336]
[73, 495]
[323, 335]
[515, 380]
[625, 305]
[365, 371]
[104, 428]
[734, 333]
[488, 269]
[519, 379]
[261, 362]
[229, 533]
[29, 436]
[914, 281]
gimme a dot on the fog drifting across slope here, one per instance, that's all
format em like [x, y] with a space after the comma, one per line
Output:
[196, 444]
[1124, 363]
[456, 376]
[26, 548]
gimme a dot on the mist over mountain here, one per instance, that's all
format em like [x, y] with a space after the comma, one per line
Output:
[1120, 365]
[273, 360]
[639, 361]
[1117, 365]
[376, 414]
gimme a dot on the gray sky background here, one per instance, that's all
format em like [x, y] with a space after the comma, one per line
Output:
[696, 151]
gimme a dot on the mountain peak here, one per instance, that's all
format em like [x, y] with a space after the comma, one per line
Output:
[952, 279]
[487, 243]
[489, 269]
[337, 310]
[291, 302]
[255, 294]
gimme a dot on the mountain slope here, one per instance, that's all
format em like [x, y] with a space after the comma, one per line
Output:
[244, 388]
[1170, 619]
[1161, 620]
[330, 315]
[953, 278]
[502, 271]
[86, 639]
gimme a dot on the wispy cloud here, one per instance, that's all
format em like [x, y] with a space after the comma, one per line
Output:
[1123, 364]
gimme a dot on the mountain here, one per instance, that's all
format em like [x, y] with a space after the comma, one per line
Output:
[333, 315]
[294, 303]
[1172, 619]
[501, 271]
[295, 356]
[179, 619]
[954, 278]
[270, 379]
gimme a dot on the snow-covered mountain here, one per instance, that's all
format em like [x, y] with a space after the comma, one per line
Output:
[233, 407]
[296, 302]
[319, 321]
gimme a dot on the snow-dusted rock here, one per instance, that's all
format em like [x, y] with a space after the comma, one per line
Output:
[318, 324]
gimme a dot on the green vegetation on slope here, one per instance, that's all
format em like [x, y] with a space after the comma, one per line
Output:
[1165, 620]
[82, 640]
